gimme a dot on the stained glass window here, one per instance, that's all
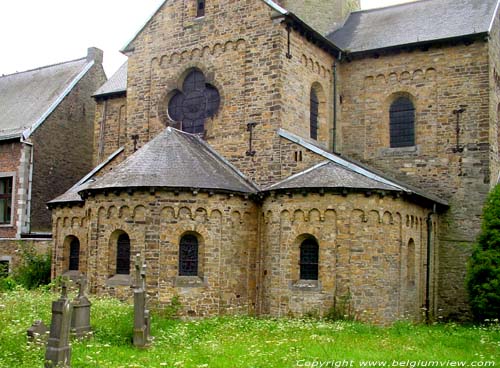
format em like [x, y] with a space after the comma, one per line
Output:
[123, 255]
[188, 256]
[314, 115]
[309, 256]
[402, 123]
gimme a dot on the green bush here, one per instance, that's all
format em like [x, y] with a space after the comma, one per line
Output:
[483, 280]
[34, 268]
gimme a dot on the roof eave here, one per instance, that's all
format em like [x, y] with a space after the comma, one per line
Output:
[120, 93]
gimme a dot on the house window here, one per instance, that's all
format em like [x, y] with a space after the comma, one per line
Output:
[313, 119]
[188, 256]
[196, 102]
[309, 256]
[200, 8]
[4, 269]
[402, 123]
[123, 255]
[74, 255]
[5, 200]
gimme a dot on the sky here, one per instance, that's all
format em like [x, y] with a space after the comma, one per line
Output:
[35, 33]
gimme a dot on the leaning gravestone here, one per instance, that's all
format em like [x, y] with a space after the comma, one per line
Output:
[37, 333]
[80, 320]
[141, 314]
[58, 353]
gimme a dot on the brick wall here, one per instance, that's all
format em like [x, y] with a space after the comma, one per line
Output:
[10, 157]
[63, 147]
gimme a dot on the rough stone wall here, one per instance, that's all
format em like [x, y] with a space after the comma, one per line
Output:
[10, 249]
[226, 227]
[323, 16]
[63, 147]
[110, 127]
[494, 80]
[439, 81]
[241, 56]
[295, 158]
[363, 256]
[10, 158]
[309, 68]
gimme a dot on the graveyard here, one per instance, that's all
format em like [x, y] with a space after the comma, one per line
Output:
[227, 341]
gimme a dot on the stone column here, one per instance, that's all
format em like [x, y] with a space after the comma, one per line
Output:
[80, 321]
[58, 353]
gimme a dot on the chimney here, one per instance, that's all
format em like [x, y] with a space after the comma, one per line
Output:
[94, 54]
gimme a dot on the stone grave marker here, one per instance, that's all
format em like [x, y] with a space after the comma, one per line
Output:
[80, 320]
[37, 333]
[141, 314]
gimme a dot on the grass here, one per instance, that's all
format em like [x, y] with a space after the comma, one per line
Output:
[239, 341]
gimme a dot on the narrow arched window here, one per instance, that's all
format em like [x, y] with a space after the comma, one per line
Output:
[74, 255]
[197, 102]
[314, 113]
[200, 8]
[309, 257]
[123, 255]
[410, 263]
[188, 256]
[402, 123]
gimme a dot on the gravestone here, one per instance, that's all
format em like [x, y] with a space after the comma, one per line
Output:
[58, 353]
[37, 333]
[80, 320]
[141, 314]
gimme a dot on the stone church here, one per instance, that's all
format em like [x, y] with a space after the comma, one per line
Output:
[292, 157]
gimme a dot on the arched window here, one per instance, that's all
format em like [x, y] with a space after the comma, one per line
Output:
[200, 8]
[196, 102]
[402, 123]
[314, 113]
[188, 256]
[123, 255]
[410, 263]
[309, 257]
[74, 255]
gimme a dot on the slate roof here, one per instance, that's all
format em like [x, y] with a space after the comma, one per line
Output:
[414, 23]
[28, 98]
[116, 84]
[175, 159]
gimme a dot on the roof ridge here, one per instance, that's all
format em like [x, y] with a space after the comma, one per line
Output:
[300, 173]
[42, 67]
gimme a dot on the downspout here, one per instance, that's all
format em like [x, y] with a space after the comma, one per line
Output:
[334, 133]
[428, 267]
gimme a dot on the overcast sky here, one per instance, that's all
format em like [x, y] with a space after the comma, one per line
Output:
[35, 33]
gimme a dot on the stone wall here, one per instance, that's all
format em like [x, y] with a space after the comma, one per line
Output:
[494, 98]
[63, 147]
[363, 250]
[10, 158]
[10, 249]
[226, 227]
[439, 80]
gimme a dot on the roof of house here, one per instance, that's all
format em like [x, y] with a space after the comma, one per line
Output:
[338, 172]
[116, 84]
[175, 159]
[28, 98]
[414, 23]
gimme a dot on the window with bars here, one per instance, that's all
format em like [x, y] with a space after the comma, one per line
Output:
[402, 123]
[74, 255]
[314, 113]
[309, 259]
[188, 256]
[5, 200]
[123, 255]
[196, 102]
[200, 8]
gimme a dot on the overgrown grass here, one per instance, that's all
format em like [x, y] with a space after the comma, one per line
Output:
[237, 341]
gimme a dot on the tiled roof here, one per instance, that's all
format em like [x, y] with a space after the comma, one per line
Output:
[116, 84]
[27, 98]
[414, 23]
[175, 159]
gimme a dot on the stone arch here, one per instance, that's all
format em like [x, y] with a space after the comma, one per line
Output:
[398, 135]
[393, 78]
[112, 212]
[72, 253]
[235, 218]
[418, 74]
[124, 212]
[430, 74]
[368, 81]
[117, 250]
[66, 222]
[387, 218]
[405, 76]
[306, 254]
[285, 216]
[380, 79]
[357, 216]
[167, 214]
[184, 56]
[195, 53]
[184, 213]
[410, 263]
[314, 215]
[205, 51]
[322, 126]
[139, 213]
[217, 49]
[215, 215]
[201, 215]
[299, 216]
[175, 58]
[187, 256]
[241, 44]
[374, 217]
[330, 216]
[75, 222]
[229, 46]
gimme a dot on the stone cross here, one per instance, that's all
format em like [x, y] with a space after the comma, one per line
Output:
[141, 314]
[58, 352]
[80, 320]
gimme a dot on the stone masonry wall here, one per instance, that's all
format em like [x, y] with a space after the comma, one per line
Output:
[10, 157]
[365, 256]
[110, 127]
[438, 80]
[494, 98]
[63, 147]
[226, 228]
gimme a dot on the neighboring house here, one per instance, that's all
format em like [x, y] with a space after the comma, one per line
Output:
[225, 155]
[46, 126]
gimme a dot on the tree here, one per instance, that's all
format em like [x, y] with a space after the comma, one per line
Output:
[483, 279]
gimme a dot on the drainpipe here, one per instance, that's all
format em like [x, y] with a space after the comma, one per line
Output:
[334, 133]
[428, 268]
